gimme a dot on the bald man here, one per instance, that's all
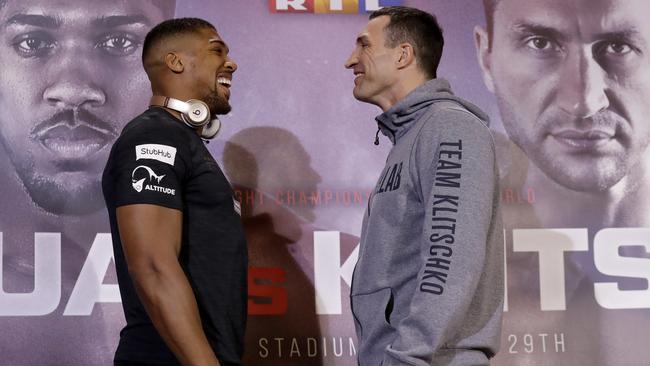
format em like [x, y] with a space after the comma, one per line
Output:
[179, 245]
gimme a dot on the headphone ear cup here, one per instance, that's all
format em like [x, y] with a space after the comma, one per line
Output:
[198, 114]
[211, 129]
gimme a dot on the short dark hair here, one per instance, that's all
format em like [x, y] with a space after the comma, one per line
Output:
[172, 28]
[418, 28]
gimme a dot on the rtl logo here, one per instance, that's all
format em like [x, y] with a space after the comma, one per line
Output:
[329, 6]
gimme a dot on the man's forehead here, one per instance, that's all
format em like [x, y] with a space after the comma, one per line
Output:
[377, 25]
[374, 29]
[212, 36]
[202, 37]
[78, 11]
[586, 18]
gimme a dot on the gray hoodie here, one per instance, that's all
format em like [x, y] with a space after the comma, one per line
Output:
[428, 286]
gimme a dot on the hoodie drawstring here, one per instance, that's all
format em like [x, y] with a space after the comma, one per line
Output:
[377, 136]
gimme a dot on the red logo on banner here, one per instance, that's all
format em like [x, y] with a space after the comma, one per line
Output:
[267, 284]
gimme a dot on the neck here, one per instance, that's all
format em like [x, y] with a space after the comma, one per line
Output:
[162, 101]
[399, 90]
[173, 112]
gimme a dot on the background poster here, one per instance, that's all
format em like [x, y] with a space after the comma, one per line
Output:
[298, 150]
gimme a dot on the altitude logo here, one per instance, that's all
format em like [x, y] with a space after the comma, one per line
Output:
[329, 6]
[150, 176]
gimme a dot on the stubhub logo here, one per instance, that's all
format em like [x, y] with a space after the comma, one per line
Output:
[329, 6]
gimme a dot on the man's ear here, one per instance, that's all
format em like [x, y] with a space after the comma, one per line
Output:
[483, 53]
[405, 55]
[174, 62]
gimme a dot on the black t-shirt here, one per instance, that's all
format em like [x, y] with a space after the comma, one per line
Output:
[158, 160]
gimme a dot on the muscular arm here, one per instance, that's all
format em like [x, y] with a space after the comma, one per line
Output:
[151, 239]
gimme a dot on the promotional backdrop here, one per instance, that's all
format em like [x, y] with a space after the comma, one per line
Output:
[564, 83]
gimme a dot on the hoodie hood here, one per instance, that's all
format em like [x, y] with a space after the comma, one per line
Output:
[396, 121]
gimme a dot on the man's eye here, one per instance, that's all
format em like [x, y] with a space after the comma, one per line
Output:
[33, 45]
[540, 44]
[617, 48]
[118, 44]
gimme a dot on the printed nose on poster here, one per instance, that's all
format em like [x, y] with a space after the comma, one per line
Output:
[73, 94]
[583, 91]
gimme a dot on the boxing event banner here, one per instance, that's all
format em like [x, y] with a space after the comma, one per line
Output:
[566, 84]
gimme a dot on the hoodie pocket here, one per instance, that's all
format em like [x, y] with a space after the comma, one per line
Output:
[373, 312]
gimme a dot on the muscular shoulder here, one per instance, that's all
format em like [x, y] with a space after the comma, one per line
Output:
[155, 135]
[155, 125]
[450, 118]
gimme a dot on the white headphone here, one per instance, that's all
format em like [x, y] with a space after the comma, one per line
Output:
[194, 113]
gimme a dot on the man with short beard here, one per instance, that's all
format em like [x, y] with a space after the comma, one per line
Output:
[179, 244]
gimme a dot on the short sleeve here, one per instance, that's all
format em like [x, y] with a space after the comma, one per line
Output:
[150, 169]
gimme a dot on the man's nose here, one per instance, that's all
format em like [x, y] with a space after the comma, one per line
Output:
[583, 89]
[352, 60]
[73, 93]
[73, 80]
[231, 65]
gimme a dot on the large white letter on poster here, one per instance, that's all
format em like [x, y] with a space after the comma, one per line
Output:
[47, 280]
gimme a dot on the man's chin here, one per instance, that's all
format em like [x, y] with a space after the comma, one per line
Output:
[218, 105]
[361, 96]
[585, 179]
[59, 197]
[220, 110]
